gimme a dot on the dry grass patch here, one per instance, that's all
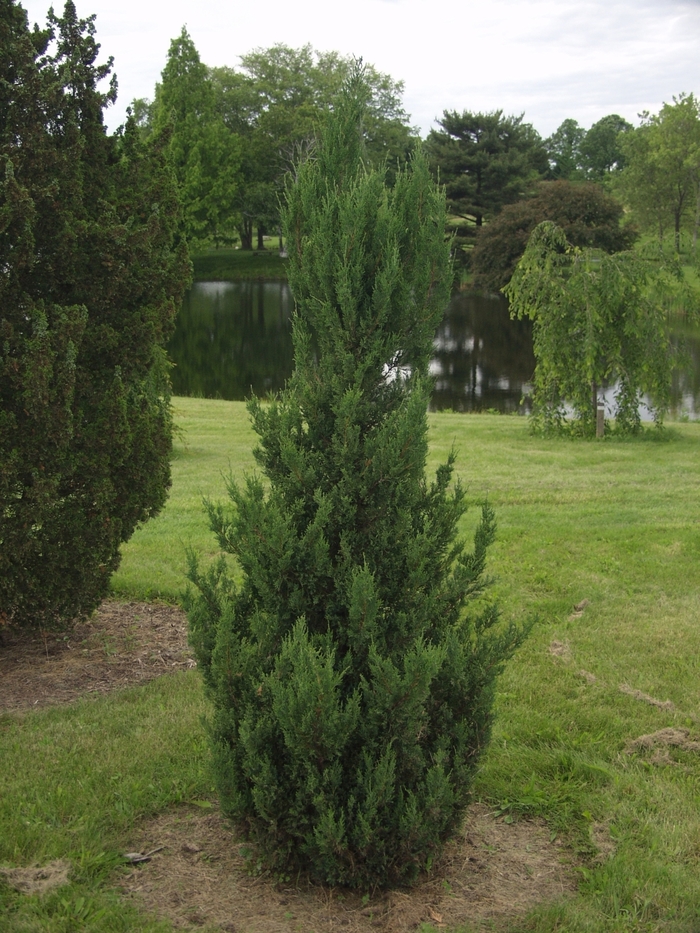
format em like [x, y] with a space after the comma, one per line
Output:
[560, 649]
[673, 738]
[645, 698]
[37, 879]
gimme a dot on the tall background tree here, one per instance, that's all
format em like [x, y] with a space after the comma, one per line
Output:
[205, 153]
[485, 161]
[91, 283]
[352, 693]
[660, 183]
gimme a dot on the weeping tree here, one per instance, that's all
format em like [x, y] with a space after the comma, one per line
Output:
[598, 320]
[352, 689]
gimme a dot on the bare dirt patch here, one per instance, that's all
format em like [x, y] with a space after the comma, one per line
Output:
[37, 879]
[494, 872]
[121, 645]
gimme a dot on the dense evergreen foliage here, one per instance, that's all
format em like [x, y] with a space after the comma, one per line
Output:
[485, 161]
[583, 210]
[352, 692]
[89, 288]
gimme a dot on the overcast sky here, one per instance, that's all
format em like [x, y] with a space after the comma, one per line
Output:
[552, 59]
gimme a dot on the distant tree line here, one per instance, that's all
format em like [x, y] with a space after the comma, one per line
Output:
[236, 133]
[653, 170]
[603, 186]
[502, 179]
[576, 154]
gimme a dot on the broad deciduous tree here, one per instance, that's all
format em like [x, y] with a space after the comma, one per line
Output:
[352, 693]
[275, 103]
[661, 179]
[601, 149]
[564, 151]
[584, 211]
[89, 289]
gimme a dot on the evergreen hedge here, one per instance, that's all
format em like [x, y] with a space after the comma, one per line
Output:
[91, 278]
[352, 693]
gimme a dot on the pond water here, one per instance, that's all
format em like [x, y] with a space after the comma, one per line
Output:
[232, 338]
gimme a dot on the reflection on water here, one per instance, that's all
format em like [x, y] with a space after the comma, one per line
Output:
[231, 339]
[482, 359]
[685, 383]
[234, 338]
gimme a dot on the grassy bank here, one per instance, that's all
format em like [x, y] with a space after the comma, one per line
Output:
[237, 265]
[613, 523]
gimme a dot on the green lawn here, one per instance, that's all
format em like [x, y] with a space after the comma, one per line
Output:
[233, 265]
[615, 522]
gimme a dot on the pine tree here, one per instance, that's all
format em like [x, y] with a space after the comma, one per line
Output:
[352, 694]
[486, 160]
[90, 285]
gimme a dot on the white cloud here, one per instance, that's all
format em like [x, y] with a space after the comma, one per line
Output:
[553, 60]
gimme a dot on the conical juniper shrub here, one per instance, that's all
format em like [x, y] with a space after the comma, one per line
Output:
[352, 691]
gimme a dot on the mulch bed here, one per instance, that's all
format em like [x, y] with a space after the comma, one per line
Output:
[123, 644]
[491, 874]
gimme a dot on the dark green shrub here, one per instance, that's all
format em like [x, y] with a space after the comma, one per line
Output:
[352, 695]
[588, 215]
[89, 287]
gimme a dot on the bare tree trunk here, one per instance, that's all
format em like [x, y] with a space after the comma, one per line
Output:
[245, 232]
